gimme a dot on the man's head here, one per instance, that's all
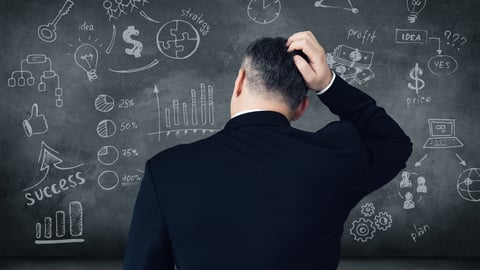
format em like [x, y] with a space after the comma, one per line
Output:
[268, 79]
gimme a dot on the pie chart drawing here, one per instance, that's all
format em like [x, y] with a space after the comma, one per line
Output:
[106, 128]
[108, 180]
[107, 155]
[104, 103]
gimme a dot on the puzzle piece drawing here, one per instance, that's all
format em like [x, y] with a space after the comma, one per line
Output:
[178, 39]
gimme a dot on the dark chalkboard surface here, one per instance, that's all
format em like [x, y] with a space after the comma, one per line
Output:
[91, 89]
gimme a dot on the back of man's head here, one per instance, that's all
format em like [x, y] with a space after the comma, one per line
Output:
[271, 72]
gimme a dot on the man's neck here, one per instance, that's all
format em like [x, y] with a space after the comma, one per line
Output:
[248, 111]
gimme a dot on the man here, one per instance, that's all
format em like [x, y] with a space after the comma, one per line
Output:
[261, 194]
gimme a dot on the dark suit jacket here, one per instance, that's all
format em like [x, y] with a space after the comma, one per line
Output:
[263, 195]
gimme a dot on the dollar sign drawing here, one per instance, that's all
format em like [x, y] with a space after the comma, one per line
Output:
[137, 45]
[415, 74]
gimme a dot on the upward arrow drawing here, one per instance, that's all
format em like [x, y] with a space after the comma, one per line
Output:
[47, 158]
[155, 91]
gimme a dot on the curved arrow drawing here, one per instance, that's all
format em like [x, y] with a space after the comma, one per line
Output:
[48, 157]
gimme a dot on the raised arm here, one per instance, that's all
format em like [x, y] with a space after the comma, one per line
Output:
[387, 146]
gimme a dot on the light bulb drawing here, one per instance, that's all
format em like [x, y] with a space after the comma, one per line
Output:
[86, 57]
[415, 7]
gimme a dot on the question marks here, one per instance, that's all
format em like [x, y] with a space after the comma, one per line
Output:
[454, 39]
[447, 34]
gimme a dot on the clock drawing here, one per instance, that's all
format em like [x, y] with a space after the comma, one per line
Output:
[263, 11]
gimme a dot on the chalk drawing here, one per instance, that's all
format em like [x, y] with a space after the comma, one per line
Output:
[152, 64]
[128, 125]
[419, 163]
[86, 27]
[106, 128]
[364, 228]
[406, 186]
[468, 185]
[159, 131]
[36, 123]
[461, 161]
[173, 115]
[44, 231]
[197, 20]
[47, 32]
[415, 73]
[368, 209]
[148, 18]
[365, 36]
[421, 185]
[419, 232]
[132, 179]
[340, 4]
[48, 80]
[442, 134]
[108, 180]
[406, 182]
[178, 39]
[137, 48]
[86, 57]
[104, 103]
[116, 8]
[414, 36]
[352, 64]
[264, 11]
[49, 157]
[112, 40]
[108, 155]
[415, 7]
[457, 40]
[442, 65]
[383, 221]
[408, 203]
[126, 103]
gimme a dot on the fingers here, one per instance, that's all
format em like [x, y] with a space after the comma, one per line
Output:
[308, 44]
[305, 69]
[301, 35]
[315, 71]
[34, 109]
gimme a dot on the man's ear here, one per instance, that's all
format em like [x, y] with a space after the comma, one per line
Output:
[239, 83]
[301, 109]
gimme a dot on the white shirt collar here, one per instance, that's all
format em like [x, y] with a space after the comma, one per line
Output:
[247, 111]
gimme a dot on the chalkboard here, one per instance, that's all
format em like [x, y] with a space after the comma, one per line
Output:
[91, 89]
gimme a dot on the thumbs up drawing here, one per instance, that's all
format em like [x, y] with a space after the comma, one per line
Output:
[36, 123]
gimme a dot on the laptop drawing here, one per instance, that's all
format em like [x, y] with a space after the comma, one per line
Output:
[442, 134]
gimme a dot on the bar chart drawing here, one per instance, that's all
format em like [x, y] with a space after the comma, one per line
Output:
[182, 119]
[44, 232]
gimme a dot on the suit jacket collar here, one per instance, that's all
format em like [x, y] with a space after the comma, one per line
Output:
[261, 118]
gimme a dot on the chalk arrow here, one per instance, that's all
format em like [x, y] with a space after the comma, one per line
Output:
[439, 50]
[419, 163]
[48, 157]
[155, 91]
[461, 160]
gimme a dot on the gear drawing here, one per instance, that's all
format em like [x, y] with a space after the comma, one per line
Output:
[368, 209]
[383, 221]
[362, 230]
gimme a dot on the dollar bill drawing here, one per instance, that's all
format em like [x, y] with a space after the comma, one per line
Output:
[352, 64]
